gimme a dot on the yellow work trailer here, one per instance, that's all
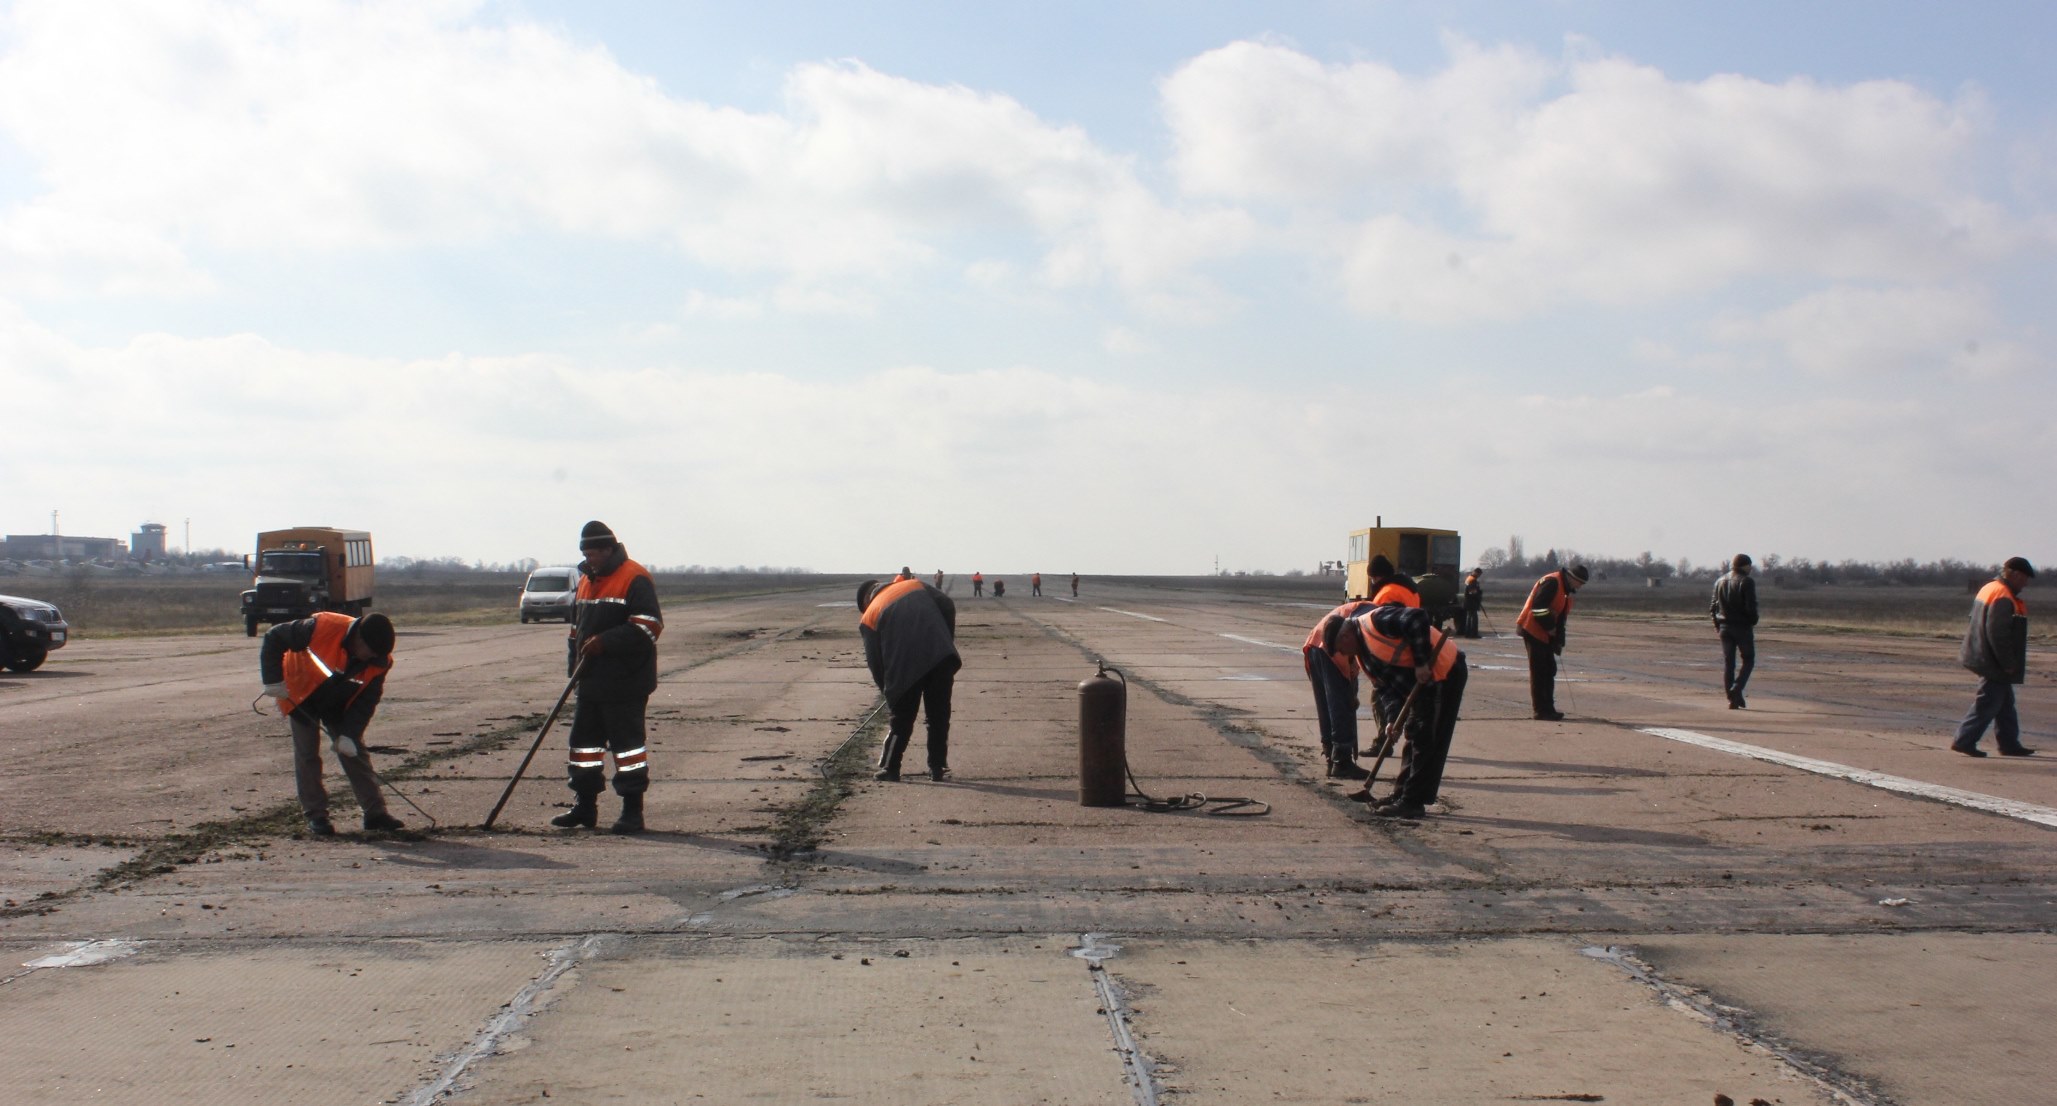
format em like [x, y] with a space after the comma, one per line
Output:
[1433, 559]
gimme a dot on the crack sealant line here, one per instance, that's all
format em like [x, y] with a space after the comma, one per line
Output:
[1734, 1023]
[1260, 641]
[1140, 1072]
[525, 1002]
[1133, 614]
[1991, 804]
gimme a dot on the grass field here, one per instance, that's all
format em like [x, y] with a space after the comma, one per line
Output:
[101, 606]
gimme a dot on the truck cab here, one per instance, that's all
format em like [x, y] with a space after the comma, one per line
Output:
[308, 569]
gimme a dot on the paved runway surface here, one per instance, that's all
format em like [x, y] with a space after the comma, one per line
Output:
[1658, 900]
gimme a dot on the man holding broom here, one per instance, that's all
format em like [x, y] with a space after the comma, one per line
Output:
[1418, 677]
[613, 659]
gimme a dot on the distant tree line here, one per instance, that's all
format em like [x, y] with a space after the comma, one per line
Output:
[1771, 567]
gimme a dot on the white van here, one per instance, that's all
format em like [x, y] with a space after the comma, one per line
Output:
[550, 593]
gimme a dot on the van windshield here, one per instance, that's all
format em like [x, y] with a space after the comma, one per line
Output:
[554, 581]
[278, 563]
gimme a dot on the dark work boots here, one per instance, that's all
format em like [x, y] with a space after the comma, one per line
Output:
[585, 813]
[631, 820]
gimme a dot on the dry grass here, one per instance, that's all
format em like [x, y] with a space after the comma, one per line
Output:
[119, 606]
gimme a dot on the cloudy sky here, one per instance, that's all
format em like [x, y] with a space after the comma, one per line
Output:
[1105, 287]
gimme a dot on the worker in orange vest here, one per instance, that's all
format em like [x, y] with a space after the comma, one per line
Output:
[1541, 623]
[1035, 584]
[1388, 586]
[910, 645]
[978, 584]
[1408, 658]
[1996, 647]
[615, 638]
[329, 671]
[1331, 665]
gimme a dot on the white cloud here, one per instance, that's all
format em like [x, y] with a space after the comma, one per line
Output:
[1886, 332]
[179, 129]
[1503, 184]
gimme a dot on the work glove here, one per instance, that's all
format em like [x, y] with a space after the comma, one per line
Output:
[344, 746]
[275, 690]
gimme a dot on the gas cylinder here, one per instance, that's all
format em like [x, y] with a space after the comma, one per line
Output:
[1103, 739]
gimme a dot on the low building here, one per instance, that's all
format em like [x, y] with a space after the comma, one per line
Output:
[60, 547]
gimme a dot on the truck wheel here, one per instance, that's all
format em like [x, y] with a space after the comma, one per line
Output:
[28, 660]
[524, 619]
[249, 625]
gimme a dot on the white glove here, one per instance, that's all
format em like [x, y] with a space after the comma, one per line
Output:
[345, 747]
[275, 691]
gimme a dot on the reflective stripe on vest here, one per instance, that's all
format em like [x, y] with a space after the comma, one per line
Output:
[1395, 653]
[614, 588]
[307, 669]
[886, 597]
[1559, 607]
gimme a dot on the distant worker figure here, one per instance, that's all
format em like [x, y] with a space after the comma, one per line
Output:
[1330, 657]
[329, 671]
[1406, 656]
[1035, 584]
[910, 646]
[1074, 585]
[1996, 647]
[1541, 623]
[978, 584]
[614, 635]
[939, 579]
[1734, 608]
[906, 573]
[999, 588]
[1388, 586]
[1474, 601]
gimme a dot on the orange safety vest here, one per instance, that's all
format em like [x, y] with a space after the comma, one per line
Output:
[1997, 589]
[978, 577]
[1344, 658]
[886, 597]
[614, 588]
[325, 656]
[1390, 592]
[1559, 607]
[1395, 653]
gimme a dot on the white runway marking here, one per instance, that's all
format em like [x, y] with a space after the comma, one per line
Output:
[1132, 614]
[1260, 641]
[2011, 808]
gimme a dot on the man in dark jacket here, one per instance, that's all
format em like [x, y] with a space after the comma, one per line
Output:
[1329, 656]
[910, 645]
[1996, 647]
[613, 654]
[1405, 655]
[329, 671]
[1474, 602]
[1734, 608]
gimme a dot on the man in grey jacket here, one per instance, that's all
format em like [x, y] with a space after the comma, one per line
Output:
[910, 646]
[1734, 608]
[1996, 647]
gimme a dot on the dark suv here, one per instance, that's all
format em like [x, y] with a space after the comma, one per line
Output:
[29, 629]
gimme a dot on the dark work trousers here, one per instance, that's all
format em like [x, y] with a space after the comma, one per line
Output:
[601, 726]
[314, 799]
[1428, 740]
[1467, 625]
[1737, 642]
[1992, 706]
[1335, 706]
[931, 694]
[1542, 675]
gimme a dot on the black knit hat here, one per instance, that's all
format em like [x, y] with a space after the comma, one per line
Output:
[376, 631]
[1580, 573]
[1380, 566]
[864, 591]
[596, 535]
[2021, 565]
